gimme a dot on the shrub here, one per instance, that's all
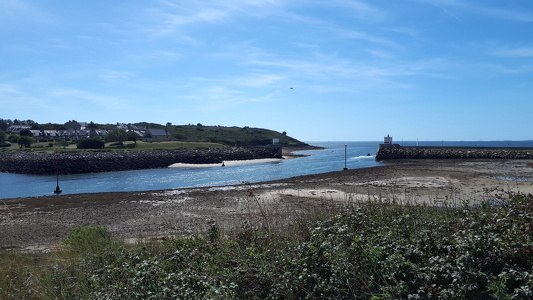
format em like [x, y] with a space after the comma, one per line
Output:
[13, 138]
[91, 143]
[88, 239]
[370, 251]
[375, 250]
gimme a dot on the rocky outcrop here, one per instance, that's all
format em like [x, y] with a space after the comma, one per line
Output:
[91, 162]
[399, 152]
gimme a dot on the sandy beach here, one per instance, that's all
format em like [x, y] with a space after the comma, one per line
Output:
[42, 223]
[228, 163]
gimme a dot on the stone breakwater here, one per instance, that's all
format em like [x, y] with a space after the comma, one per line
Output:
[92, 162]
[402, 152]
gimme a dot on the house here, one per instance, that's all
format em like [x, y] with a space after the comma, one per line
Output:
[131, 128]
[35, 133]
[76, 135]
[46, 135]
[122, 126]
[156, 135]
[17, 128]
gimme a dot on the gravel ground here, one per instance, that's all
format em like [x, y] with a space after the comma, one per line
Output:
[42, 223]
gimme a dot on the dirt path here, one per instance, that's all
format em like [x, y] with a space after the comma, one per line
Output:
[41, 223]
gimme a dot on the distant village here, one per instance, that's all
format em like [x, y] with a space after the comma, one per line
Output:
[75, 131]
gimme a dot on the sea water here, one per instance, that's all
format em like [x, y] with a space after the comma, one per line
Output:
[335, 157]
[332, 158]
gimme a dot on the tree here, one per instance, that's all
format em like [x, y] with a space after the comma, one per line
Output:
[63, 144]
[33, 125]
[25, 132]
[25, 141]
[92, 127]
[3, 136]
[166, 128]
[4, 124]
[13, 138]
[132, 136]
[116, 135]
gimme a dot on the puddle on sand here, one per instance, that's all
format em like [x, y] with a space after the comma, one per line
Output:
[512, 179]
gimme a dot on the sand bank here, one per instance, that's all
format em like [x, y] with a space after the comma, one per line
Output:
[227, 163]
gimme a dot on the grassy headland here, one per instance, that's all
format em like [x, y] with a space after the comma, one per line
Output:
[242, 136]
[184, 137]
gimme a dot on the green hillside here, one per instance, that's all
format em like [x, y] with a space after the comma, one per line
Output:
[241, 136]
[228, 136]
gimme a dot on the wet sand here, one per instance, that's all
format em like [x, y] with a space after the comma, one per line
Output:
[42, 223]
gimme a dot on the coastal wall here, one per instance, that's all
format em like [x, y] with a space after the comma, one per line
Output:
[91, 162]
[390, 152]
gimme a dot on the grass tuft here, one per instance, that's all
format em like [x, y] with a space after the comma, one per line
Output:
[369, 250]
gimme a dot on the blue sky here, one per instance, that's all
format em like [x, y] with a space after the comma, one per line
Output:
[320, 70]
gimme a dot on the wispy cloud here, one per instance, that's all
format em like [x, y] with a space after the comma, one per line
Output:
[507, 14]
[260, 80]
[8, 89]
[19, 12]
[514, 52]
[78, 100]
[353, 34]
[153, 57]
[485, 9]
[112, 75]
[509, 69]
[360, 10]
[169, 17]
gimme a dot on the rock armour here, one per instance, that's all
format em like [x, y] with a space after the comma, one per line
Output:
[452, 153]
[91, 162]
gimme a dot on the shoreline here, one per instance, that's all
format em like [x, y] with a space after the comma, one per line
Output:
[229, 163]
[42, 223]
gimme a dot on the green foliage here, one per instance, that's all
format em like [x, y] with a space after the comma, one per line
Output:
[378, 251]
[91, 143]
[3, 136]
[90, 240]
[370, 251]
[25, 132]
[63, 144]
[13, 138]
[132, 136]
[25, 141]
[116, 135]
[4, 124]
[227, 136]
[244, 136]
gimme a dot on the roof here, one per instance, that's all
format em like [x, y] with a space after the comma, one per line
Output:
[159, 132]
